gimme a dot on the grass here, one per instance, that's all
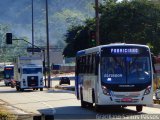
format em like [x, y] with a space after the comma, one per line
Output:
[5, 114]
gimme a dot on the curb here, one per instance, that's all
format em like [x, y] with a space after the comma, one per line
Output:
[154, 106]
[17, 113]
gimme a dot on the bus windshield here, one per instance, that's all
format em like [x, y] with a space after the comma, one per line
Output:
[8, 72]
[138, 70]
[125, 69]
[32, 70]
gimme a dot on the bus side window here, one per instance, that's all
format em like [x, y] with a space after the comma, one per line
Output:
[84, 65]
[88, 64]
[80, 65]
[77, 66]
[96, 63]
[91, 63]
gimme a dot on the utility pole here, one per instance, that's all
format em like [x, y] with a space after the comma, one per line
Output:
[32, 29]
[47, 36]
[97, 21]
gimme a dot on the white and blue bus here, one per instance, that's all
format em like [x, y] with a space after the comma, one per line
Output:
[8, 74]
[114, 75]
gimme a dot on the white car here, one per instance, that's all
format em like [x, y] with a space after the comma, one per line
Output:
[157, 94]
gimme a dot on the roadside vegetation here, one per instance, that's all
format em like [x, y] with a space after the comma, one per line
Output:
[5, 114]
[156, 83]
[129, 21]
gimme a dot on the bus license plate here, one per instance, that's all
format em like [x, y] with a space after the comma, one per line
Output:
[126, 100]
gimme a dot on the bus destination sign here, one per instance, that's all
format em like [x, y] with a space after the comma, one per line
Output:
[124, 51]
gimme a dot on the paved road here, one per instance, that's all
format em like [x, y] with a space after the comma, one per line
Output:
[63, 104]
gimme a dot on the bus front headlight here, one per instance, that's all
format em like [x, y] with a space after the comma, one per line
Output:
[41, 81]
[105, 90]
[24, 82]
[148, 90]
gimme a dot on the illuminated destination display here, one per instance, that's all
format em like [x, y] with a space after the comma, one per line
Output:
[124, 51]
[8, 68]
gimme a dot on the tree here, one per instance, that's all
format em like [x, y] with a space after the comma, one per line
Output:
[77, 38]
[136, 21]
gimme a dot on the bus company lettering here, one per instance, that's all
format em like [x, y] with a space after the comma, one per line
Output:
[113, 75]
[124, 51]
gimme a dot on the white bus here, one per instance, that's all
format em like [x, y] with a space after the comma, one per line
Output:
[114, 75]
[8, 74]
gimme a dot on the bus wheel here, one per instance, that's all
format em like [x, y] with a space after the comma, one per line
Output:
[93, 96]
[90, 105]
[17, 88]
[21, 89]
[83, 104]
[98, 108]
[139, 108]
[41, 89]
[123, 106]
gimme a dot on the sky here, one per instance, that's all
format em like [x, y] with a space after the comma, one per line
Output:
[18, 15]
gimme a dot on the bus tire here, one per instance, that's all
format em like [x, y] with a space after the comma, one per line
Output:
[83, 104]
[21, 89]
[93, 96]
[90, 105]
[139, 108]
[17, 88]
[41, 89]
[123, 106]
[98, 108]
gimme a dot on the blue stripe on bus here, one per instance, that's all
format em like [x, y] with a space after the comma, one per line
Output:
[81, 53]
[76, 86]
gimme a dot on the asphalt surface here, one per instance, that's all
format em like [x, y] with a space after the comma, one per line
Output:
[62, 104]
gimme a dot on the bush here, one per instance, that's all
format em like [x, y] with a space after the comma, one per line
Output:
[6, 115]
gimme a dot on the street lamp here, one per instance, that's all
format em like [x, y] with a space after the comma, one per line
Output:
[32, 29]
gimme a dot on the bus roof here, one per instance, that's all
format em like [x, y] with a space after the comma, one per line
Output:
[9, 66]
[98, 48]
